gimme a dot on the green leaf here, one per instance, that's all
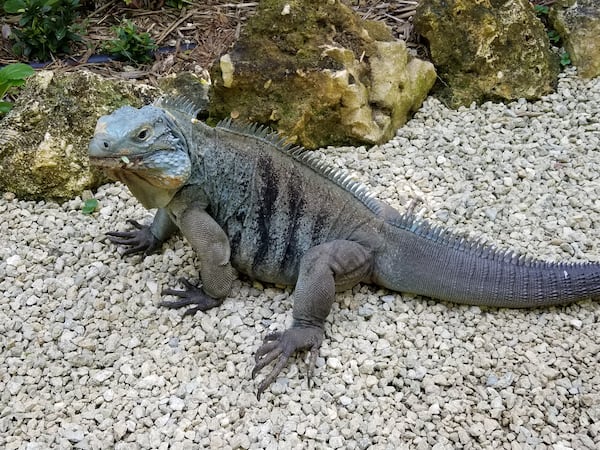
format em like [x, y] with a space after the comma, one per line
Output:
[553, 36]
[60, 33]
[17, 71]
[5, 107]
[90, 206]
[14, 6]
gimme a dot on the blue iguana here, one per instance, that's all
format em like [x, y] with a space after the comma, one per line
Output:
[279, 214]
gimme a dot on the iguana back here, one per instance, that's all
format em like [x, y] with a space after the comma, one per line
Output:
[275, 202]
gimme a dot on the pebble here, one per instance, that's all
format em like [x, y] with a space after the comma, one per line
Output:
[576, 323]
[88, 359]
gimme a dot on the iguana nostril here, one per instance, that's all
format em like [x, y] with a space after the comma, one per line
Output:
[106, 144]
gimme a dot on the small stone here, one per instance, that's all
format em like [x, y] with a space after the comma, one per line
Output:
[371, 381]
[367, 367]
[108, 395]
[489, 425]
[13, 260]
[576, 323]
[152, 286]
[334, 363]
[176, 404]
[151, 381]
[434, 408]
[345, 400]
[442, 215]
[120, 429]
[388, 298]
[102, 375]
[336, 441]
[417, 373]
[161, 421]
[491, 213]
[476, 429]
[126, 369]
[72, 432]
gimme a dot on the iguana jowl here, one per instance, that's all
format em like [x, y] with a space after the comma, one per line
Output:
[244, 200]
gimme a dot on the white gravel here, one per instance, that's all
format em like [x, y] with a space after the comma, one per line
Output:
[88, 359]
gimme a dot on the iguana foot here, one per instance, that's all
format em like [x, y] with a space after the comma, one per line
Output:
[139, 241]
[280, 346]
[191, 295]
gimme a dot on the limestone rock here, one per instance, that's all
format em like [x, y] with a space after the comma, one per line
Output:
[188, 85]
[487, 50]
[44, 138]
[578, 23]
[319, 75]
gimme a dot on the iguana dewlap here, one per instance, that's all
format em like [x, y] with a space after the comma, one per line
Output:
[244, 200]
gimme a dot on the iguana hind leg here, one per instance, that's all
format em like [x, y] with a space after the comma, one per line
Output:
[324, 269]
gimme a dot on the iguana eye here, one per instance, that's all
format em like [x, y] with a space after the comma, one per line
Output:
[143, 134]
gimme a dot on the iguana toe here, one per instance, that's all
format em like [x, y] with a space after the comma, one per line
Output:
[191, 295]
[139, 241]
[280, 346]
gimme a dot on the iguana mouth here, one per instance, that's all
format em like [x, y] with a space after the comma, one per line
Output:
[119, 162]
[140, 168]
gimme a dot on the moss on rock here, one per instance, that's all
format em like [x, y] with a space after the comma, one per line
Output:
[487, 50]
[319, 75]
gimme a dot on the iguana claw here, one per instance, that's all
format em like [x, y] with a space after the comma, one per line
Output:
[280, 346]
[191, 295]
[139, 241]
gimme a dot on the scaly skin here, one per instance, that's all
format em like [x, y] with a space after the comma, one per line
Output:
[243, 200]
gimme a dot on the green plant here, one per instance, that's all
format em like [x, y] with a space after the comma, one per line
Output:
[565, 58]
[130, 44]
[89, 206]
[11, 76]
[541, 10]
[553, 36]
[45, 27]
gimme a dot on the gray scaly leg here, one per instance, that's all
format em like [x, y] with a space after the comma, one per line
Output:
[327, 268]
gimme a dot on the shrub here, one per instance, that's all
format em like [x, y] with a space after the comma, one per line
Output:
[130, 44]
[44, 28]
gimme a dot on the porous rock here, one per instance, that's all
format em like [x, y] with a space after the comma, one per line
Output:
[487, 50]
[578, 24]
[319, 75]
[44, 138]
[188, 85]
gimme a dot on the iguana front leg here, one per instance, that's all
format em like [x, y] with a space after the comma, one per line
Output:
[146, 239]
[324, 269]
[211, 245]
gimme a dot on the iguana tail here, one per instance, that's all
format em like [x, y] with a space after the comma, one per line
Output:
[436, 263]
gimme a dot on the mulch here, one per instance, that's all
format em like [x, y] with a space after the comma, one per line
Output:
[210, 26]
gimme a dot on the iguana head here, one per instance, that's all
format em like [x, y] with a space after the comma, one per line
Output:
[144, 148]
